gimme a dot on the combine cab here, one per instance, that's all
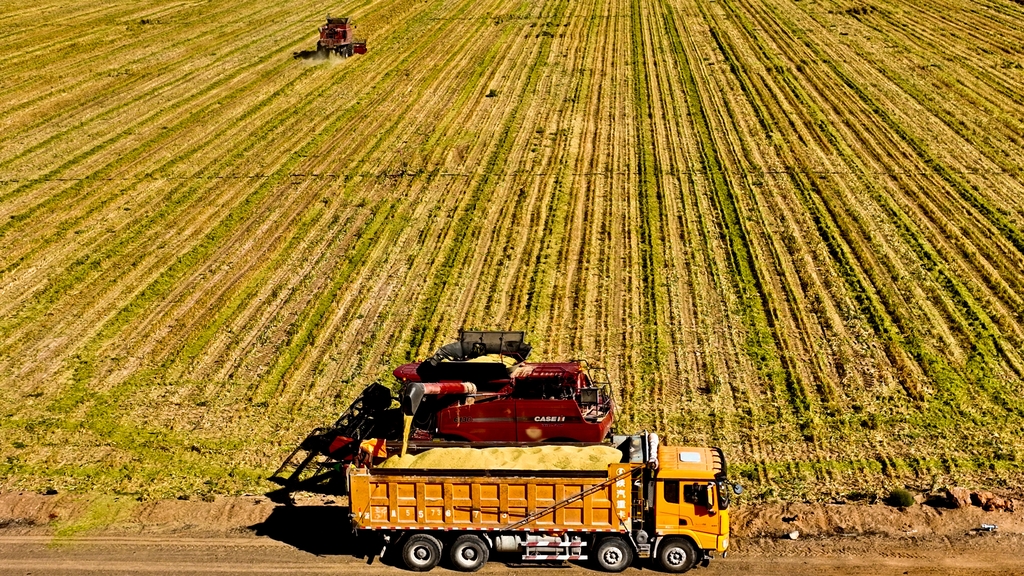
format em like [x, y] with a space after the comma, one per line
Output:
[337, 36]
[477, 391]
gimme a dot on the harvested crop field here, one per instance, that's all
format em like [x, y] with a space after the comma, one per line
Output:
[791, 229]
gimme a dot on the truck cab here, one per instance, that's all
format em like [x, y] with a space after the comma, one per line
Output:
[690, 500]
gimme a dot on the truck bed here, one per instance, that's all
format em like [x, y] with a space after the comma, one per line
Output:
[489, 500]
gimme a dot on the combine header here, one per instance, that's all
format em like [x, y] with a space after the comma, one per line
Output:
[337, 36]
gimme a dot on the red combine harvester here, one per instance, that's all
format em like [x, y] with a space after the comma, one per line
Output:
[480, 389]
[337, 36]
[477, 391]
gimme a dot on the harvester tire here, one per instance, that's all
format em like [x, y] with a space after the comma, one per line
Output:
[677, 555]
[421, 552]
[613, 554]
[469, 553]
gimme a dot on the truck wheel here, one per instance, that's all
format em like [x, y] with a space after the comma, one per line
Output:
[613, 554]
[469, 553]
[677, 555]
[421, 552]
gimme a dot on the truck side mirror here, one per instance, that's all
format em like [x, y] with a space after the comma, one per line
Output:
[737, 489]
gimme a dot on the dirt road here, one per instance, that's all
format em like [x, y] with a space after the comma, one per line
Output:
[248, 535]
[172, 555]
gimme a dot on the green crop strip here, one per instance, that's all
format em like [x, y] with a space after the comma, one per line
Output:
[222, 36]
[649, 199]
[237, 216]
[92, 263]
[977, 322]
[302, 339]
[467, 226]
[837, 241]
[757, 309]
[968, 192]
[581, 94]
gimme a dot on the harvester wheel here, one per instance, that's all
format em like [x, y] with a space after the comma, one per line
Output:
[421, 552]
[614, 554]
[677, 555]
[469, 553]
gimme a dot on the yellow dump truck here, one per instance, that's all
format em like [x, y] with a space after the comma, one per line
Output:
[664, 503]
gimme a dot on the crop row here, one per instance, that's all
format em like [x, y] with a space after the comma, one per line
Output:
[760, 215]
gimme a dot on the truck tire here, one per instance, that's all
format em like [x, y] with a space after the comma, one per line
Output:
[469, 553]
[677, 555]
[421, 552]
[613, 554]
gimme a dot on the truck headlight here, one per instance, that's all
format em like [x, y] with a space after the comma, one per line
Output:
[725, 543]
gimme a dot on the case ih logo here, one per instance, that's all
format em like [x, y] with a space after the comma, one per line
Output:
[549, 418]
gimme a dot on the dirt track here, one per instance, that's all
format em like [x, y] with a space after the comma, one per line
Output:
[170, 554]
[58, 535]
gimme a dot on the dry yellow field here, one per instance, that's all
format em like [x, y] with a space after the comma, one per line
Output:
[794, 229]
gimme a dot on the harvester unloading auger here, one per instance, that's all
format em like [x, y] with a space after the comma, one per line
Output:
[477, 391]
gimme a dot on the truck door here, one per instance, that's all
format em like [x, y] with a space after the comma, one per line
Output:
[685, 505]
[698, 506]
[666, 506]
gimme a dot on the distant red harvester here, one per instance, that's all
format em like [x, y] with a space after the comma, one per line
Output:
[337, 36]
